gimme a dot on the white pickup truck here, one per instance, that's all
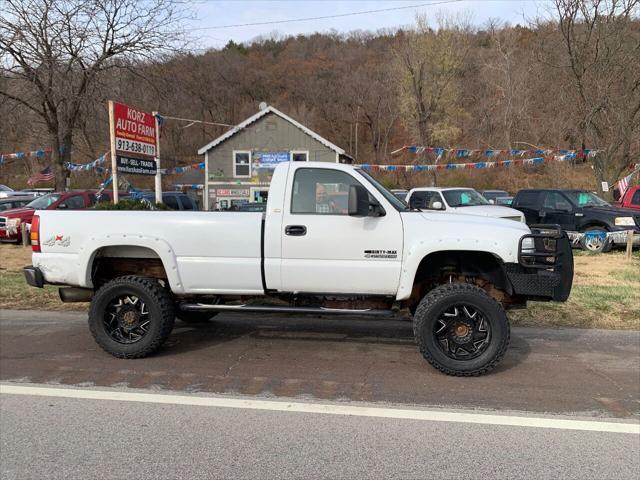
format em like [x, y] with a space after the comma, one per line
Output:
[332, 241]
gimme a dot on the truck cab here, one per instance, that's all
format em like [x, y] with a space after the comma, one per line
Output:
[331, 241]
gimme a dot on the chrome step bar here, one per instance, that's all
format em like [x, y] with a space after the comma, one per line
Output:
[200, 307]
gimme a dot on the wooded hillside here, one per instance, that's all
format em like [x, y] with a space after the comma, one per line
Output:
[572, 81]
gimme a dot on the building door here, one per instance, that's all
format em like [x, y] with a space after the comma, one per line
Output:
[325, 250]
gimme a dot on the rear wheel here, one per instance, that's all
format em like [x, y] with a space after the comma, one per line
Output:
[461, 330]
[131, 317]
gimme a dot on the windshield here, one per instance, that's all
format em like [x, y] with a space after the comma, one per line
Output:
[42, 203]
[398, 204]
[464, 198]
[586, 199]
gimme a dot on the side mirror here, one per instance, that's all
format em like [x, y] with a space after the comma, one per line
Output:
[492, 201]
[358, 201]
[437, 206]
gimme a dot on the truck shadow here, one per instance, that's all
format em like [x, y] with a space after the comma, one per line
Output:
[229, 328]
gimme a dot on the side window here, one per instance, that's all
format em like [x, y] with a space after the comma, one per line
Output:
[527, 199]
[426, 200]
[556, 201]
[635, 200]
[185, 201]
[241, 164]
[171, 201]
[321, 191]
[73, 203]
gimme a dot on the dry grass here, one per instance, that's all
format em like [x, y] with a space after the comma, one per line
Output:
[606, 293]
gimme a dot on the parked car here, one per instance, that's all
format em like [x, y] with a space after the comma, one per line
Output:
[6, 191]
[174, 200]
[456, 273]
[630, 199]
[578, 211]
[252, 207]
[459, 200]
[10, 220]
[35, 192]
[400, 193]
[505, 201]
[14, 202]
[493, 195]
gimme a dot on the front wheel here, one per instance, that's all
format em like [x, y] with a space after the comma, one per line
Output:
[131, 317]
[461, 330]
[595, 240]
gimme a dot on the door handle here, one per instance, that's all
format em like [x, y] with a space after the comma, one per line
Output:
[295, 230]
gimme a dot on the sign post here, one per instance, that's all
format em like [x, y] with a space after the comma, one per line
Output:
[158, 174]
[134, 136]
[114, 169]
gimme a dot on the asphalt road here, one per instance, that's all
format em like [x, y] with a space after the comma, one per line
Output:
[576, 372]
[549, 374]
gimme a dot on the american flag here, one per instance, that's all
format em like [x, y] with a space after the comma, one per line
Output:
[45, 175]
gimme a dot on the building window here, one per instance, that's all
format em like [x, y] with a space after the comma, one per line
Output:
[299, 155]
[241, 164]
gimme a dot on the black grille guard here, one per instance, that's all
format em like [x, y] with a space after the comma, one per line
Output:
[552, 260]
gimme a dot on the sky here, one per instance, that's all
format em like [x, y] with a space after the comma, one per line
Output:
[212, 13]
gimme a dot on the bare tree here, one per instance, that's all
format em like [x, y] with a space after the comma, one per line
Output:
[52, 53]
[600, 40]
[428, 62]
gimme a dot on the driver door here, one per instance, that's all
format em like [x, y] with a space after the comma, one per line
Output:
[324, 250]
[557, 209]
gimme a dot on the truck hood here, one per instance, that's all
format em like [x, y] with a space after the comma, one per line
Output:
[495, 211]
[613, 211]
[428, 232]
[18, 213]
[460, 221]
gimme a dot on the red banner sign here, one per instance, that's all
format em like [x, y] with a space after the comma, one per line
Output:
[135, 130]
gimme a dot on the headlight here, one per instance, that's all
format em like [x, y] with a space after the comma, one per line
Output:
[625, 221]
[13, 222]
[528, 245]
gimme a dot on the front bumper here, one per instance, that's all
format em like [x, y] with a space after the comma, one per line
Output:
[546, 272]
[33, 276]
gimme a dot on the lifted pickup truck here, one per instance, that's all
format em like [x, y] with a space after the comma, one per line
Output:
[307, 254]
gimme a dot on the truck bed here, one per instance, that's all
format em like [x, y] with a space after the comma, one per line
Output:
[191, 245]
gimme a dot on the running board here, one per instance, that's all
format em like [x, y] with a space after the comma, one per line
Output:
[201, 307]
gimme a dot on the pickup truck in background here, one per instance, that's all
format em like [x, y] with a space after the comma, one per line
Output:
[459, 200]
[306, 254]
[579, 211]
[630, 199]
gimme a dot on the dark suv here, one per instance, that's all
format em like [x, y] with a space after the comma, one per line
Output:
[174, 200]
[577, 211]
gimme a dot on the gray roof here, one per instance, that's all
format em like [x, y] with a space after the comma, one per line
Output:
[258, 116]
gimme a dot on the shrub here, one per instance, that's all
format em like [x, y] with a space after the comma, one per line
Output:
[130, 204]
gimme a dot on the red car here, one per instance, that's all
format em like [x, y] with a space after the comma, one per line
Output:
[630, 199]
[10, 220]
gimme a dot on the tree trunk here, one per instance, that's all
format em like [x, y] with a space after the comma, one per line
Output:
[61, 154]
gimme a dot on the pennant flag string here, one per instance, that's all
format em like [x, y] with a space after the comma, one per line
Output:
[439, 152]
[41, 152]
[466, 166]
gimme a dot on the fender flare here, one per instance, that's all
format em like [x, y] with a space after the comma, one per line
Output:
[160, 247]
[414, 256]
